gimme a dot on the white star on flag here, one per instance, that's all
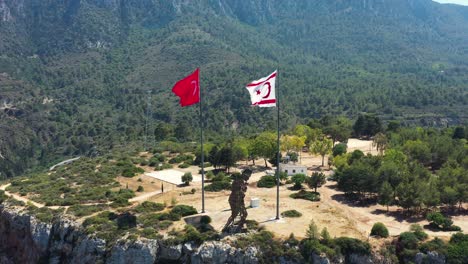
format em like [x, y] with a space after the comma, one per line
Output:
[262, 91]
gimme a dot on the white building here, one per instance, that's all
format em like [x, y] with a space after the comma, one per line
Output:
[292, 169]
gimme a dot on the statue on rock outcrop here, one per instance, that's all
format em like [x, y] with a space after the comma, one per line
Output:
[236, 202]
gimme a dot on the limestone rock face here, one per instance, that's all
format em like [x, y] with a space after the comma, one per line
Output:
[430, 257]
[320, 259]
[219, 252]
[360, 259]
[137, 252]
[22, 238]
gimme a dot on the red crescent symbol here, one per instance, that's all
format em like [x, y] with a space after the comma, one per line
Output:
[269, 90]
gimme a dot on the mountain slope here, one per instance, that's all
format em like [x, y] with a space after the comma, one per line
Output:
[95, 62]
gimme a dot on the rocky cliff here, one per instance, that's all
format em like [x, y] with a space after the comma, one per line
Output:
[23, 239]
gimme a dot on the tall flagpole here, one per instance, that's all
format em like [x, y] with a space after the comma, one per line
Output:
[278, 152]
[202, 153]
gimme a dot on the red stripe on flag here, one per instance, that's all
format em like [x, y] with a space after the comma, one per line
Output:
[269, 101]
[257, 84]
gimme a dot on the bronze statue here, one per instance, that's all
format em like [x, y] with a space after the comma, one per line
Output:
[236, 202]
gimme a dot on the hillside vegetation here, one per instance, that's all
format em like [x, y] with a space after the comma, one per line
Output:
[77, 76]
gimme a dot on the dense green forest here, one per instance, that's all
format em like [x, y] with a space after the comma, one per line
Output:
[81, 77]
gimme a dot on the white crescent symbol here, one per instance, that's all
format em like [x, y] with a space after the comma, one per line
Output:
[195, 87]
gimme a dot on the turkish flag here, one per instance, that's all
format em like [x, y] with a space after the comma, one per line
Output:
[188, 89]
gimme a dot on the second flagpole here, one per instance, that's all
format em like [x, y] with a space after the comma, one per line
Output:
[278, 154]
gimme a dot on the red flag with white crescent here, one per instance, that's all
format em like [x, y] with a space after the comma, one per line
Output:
[188, 89]
[262, 91]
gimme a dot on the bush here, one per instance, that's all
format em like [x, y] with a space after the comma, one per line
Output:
[140, 189]
[418, 231]
[457, 249]
[221, 177]
[184, 210]
[187, 178]
[267, 181]
[408, 240]
[184, 165]
[339, 149]
[3, 197]
[205, 220]
[85, 210]
[218, 186]
[147, 207]
[126, 221]
[298, 179]
[350, 246]
[310, 196]
[436, 244]
[439, 221]
[379, 230]
[291, 213]
[209, 175]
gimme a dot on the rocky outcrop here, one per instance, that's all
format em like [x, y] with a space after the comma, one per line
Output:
[430, 257]
[23, 239]
[138, 252]
[219, 252]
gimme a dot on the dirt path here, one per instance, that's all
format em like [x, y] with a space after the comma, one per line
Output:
[20, 198]
[144, 197]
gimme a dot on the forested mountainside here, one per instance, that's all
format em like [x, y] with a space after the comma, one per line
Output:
[78, 76]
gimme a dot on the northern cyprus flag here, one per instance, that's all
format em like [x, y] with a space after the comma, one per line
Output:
[262, 91]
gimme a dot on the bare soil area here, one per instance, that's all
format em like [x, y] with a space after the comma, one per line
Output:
[341, 217]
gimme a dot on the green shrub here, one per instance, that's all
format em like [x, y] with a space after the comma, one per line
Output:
[221, 177]
[291, 213]
[193, 235]
[209, 175]
[85, 210]
[418, 231]
[150, 233]
[457, 249]
[205, 220]
[187, 178]
[309, 246]
[379, 230]
[408, 240]
[302, 194]
[3, 197]
[298, 180]
[43, 214]
[436, 244]
[339, 149]
[439, 221]
[350, 246]
[267, 181]
[218, 186]
[184, 210]
[148, 207]
[184, 165]
[140, 189]
[126, 221]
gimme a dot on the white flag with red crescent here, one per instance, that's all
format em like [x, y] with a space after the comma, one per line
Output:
[262, 91]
